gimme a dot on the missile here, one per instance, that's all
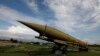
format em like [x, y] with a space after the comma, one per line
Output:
[53, 33]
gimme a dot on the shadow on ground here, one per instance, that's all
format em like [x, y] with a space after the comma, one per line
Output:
[40, 52]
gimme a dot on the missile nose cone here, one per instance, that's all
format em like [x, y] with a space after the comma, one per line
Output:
[36, 27]
[21, 22]
[25, 23]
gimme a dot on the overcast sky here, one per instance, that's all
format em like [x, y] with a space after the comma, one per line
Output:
[79, 18]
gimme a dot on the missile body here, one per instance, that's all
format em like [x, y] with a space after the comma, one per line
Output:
[52, 33]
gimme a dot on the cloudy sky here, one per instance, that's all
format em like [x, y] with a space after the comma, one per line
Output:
[79, 18]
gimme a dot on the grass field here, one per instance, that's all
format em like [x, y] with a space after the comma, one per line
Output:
[40, 50]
